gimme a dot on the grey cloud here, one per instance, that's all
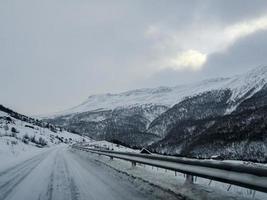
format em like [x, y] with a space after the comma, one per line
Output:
[53, 54]
[246, 53]
[229, 11]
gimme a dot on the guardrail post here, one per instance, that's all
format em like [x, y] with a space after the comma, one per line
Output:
[133, 164]
[189, 179]
[210, 181]
[254, 194]
[229, 187]
[111, 157]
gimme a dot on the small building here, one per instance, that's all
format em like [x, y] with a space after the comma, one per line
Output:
[145, 151]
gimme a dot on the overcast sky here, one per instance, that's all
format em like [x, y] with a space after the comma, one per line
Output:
[55, 53]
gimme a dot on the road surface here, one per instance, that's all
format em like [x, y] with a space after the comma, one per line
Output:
[60, 173]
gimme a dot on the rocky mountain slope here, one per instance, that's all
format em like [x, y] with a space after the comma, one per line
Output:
[182, 119]
[239, 135]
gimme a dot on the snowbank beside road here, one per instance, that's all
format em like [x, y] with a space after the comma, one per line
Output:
[13, 151]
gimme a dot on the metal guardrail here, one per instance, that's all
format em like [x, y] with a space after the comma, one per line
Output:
[252, 177]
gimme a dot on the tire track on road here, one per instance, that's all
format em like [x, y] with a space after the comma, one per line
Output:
[11, 177]
[61, 185]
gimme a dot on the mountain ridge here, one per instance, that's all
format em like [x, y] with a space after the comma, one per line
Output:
[169, 96]
[146, 117]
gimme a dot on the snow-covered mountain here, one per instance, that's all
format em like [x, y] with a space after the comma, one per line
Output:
[204, 132]
[148, 116]
[242, 86]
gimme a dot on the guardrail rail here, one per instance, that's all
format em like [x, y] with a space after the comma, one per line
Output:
[252, 177]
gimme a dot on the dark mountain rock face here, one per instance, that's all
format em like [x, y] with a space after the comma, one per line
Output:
[127, 125]
[229, 121]
[213, 103]
[239, 135]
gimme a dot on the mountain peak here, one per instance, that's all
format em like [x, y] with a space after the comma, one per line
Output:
[247, 84]
[242, 86]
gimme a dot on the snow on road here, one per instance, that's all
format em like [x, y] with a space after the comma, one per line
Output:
[62, 174]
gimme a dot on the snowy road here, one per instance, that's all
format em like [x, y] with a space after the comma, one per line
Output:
[62, 174]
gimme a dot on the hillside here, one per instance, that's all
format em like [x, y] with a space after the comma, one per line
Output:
[168, 117]
[21, 135]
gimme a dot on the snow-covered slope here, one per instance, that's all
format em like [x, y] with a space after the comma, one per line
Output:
[242, 86]
[21, 135]
[10, 126]
[166, 96]
[245, 85]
